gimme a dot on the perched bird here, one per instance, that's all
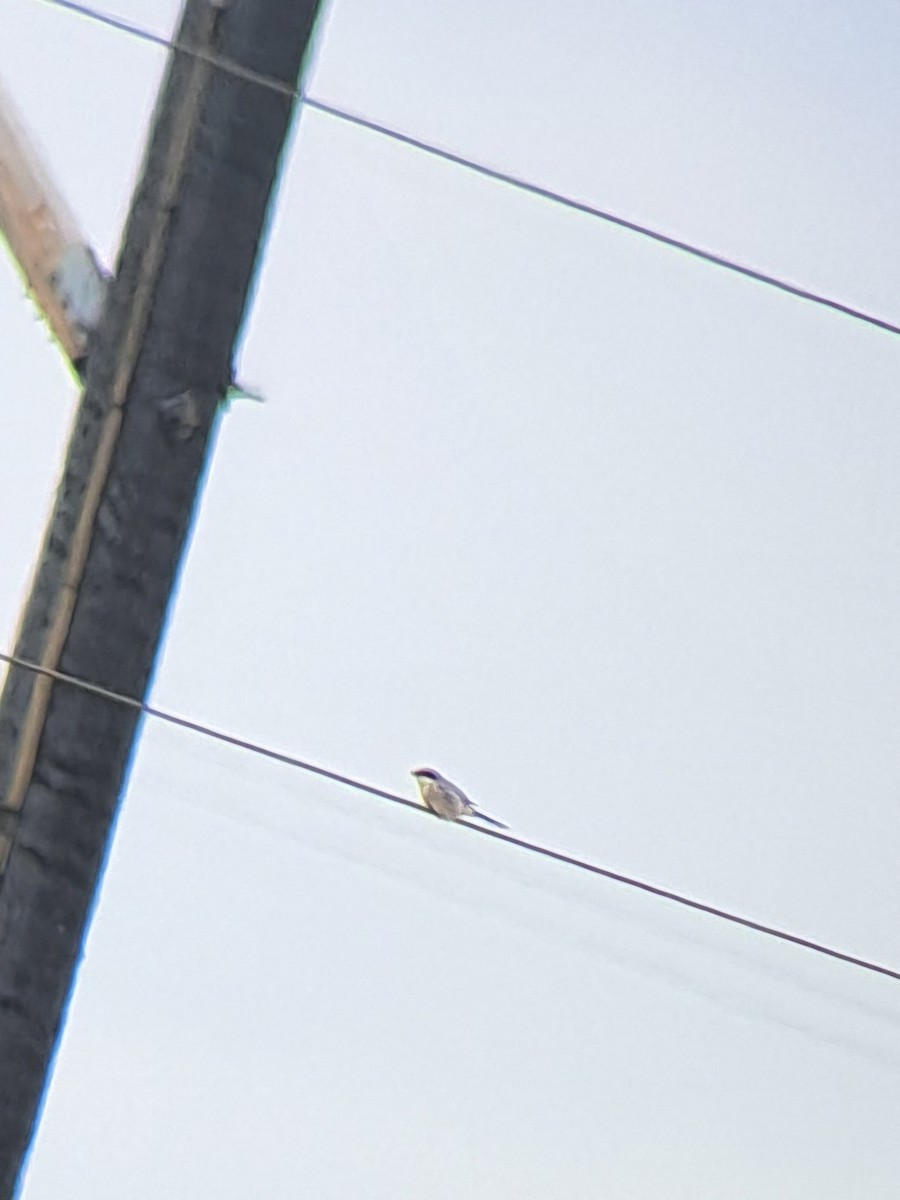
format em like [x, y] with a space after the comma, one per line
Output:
[446, 800]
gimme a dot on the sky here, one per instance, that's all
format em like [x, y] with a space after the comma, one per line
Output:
[604, 533]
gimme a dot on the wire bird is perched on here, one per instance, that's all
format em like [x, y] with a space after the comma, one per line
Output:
[446, 800]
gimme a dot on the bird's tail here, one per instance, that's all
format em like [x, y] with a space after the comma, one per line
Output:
[493, 820]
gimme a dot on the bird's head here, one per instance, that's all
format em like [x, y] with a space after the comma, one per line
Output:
[423, 773]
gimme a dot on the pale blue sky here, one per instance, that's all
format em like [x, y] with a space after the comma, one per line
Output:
[606, 534]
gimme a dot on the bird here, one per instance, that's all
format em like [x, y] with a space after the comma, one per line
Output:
[446, 800]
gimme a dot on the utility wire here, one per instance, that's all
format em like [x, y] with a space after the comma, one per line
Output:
[228, 65]
[514, 181]
[501, 836]
[534, 189]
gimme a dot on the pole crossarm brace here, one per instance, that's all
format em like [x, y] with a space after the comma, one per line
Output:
[159, 366]
[58, 265]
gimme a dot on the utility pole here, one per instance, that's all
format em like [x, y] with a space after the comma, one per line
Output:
[158, 366]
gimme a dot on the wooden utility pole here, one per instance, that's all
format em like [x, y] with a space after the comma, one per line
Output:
[158, 367]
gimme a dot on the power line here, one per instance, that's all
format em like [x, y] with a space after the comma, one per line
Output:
[228, 65]
[493, 173]
[500, 835]
[600, 214]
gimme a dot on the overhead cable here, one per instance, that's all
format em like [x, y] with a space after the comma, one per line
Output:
[488, 172]
[499, 835]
